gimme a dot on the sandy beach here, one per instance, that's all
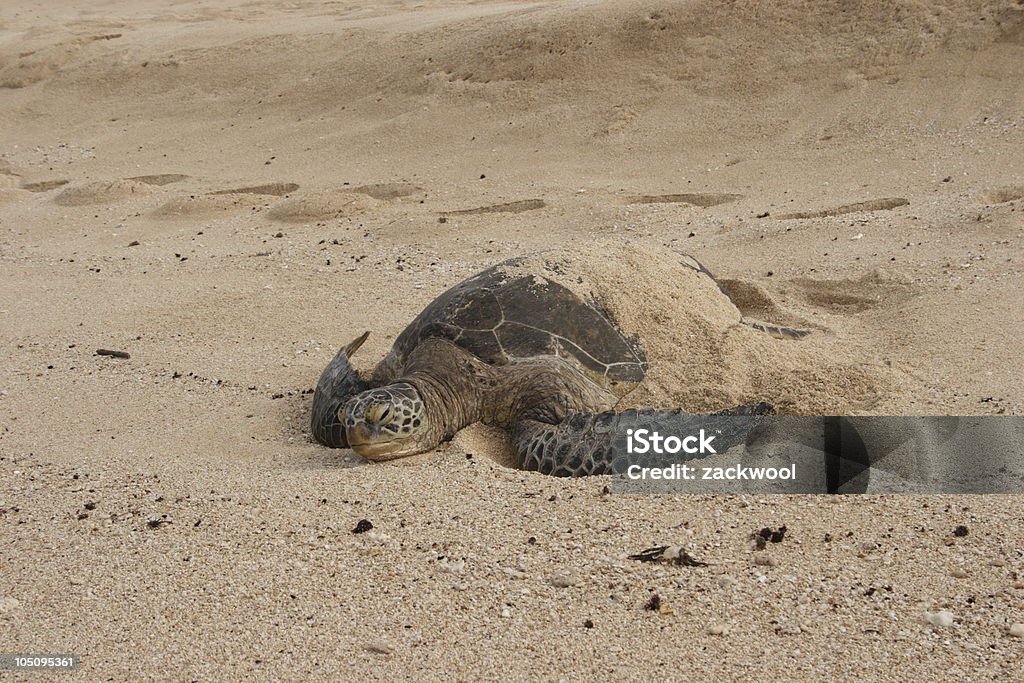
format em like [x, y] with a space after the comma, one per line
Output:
[229, 191]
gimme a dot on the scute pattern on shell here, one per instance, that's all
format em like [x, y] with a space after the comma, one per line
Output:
[501, 317]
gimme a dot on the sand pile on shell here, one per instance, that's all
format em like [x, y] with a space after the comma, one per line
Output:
[701, 356]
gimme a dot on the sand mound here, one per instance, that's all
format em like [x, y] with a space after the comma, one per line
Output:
[701, 357]
[101, 192]
[322, 205]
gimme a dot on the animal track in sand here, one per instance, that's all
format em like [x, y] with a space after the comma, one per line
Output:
[870, 205]
[272, 189]
[321, 205]
[101, 192]
[509, 207]
[44, 185]
[702, 199]
[1003, 195]
[160, 179]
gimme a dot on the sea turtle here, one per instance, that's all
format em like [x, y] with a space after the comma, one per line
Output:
[516, 350]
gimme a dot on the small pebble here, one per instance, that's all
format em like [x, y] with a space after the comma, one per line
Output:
[941, 619]
[380, 647]
[719, 629]
[766, 561]
[564, 579]
[959, 574]
[506, 613]
[1017, 630]
[8, 605]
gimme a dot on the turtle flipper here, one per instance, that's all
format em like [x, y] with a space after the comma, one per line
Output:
[338, 383]
[593, 443]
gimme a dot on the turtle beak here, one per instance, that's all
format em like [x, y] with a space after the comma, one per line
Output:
[373, 443]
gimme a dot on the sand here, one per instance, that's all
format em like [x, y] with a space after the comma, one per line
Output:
[229, 191]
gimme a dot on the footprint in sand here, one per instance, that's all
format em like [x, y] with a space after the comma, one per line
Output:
[321, 205]
[271, 189]
[205, 205]
[756, 303]
[509, 207]
[871, 205]
[702, 199]
[1003, 195]
[853, 296]
[223, 202]
[101, 192]
[388, 191]
[44, 185]
[161, 179]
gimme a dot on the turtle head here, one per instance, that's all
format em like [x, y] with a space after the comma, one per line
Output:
[387, 423]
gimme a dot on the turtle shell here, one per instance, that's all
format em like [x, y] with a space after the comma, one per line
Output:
[500, 317]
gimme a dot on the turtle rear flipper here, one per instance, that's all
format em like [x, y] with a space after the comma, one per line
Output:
[338, 383]
[584, 444]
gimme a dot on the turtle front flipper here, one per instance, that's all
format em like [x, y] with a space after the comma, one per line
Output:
[584, 444]
[338, 383]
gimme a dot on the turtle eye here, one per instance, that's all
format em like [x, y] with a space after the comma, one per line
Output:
[384, 414]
